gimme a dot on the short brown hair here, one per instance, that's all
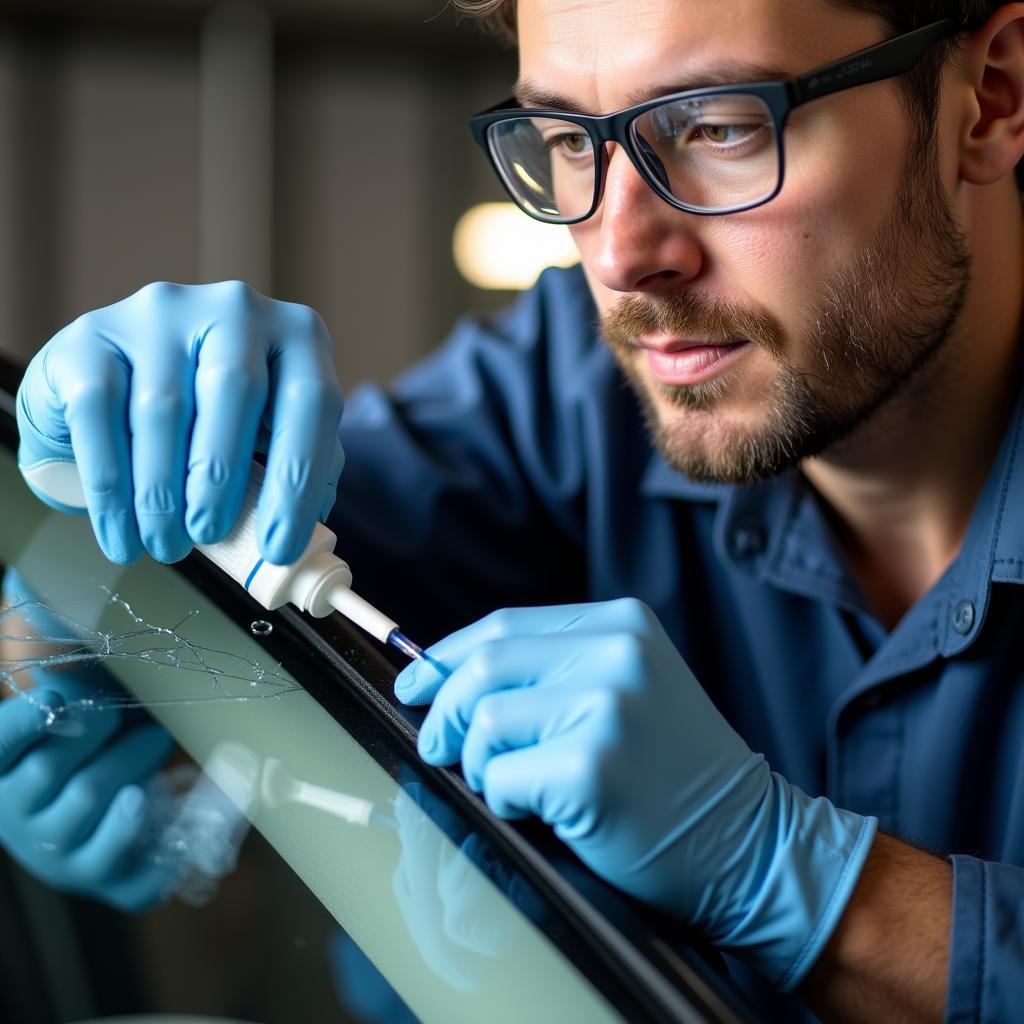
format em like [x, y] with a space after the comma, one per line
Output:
[902, 15]
[497, 17]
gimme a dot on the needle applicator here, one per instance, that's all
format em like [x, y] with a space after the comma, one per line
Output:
[318, 582]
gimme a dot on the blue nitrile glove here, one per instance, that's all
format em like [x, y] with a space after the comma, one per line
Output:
[444, 886]
[587, 716]
[161, 400]
[72, 798]
[75, 773]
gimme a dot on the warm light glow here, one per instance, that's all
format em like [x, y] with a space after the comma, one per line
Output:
[498, 247]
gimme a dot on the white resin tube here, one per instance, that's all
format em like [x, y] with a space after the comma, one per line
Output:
[318, 582]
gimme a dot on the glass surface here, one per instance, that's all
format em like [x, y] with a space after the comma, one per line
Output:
[548, 165]
[714, 152]
[310, 884]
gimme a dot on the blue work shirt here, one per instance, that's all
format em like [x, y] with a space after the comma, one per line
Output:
[513, 467]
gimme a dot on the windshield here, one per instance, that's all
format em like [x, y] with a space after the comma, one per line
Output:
[295, 855]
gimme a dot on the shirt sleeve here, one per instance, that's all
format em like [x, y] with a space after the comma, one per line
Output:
[462, 485]
[986, 972]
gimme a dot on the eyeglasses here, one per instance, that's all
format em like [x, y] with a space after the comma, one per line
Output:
[706, 151]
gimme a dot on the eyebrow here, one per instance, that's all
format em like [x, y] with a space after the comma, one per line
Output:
[527, 94]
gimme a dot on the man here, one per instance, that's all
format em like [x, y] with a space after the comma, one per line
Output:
[815, 291]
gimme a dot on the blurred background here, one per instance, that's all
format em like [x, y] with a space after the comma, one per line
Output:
[316, 149]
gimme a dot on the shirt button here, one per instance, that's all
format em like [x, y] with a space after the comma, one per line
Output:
[963, 617]
[748, 540]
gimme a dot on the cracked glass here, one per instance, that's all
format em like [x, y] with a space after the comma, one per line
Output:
[276, 860]
[98, 627]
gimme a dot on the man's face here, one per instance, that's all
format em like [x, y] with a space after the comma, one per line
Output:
[756, 340]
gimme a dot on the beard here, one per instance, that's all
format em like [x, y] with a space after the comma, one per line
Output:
[882, 320]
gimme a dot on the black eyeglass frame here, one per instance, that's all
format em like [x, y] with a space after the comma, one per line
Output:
[889, 59]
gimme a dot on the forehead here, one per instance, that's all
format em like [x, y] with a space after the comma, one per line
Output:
[602, 53]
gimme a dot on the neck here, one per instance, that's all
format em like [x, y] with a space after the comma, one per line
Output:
[900, 491]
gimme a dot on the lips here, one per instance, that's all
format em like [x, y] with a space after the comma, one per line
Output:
[669, 345]
[681, 361]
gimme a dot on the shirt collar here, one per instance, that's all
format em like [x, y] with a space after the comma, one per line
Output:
[992, 551]
[993, 548]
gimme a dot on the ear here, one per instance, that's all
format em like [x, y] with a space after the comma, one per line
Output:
[992, 69]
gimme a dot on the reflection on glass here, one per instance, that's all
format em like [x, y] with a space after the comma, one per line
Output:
[267, 810]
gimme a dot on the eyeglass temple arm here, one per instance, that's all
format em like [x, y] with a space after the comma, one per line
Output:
[874, 64]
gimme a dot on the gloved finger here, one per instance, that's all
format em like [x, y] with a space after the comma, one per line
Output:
[415, 884]
[419, 682]
[40, 410]
[421, 845]
[43, 436]
[23, 723]
[232, 381]
[515, 663]
[414, 881]
[468, 919]
[160, 411]
[334, 474]
[148, 887]
[407, 808]
[45, 769]
[304, 412]
[511, 719]
[112, 864]
[552, 782]
[134, 757]
[90, 376]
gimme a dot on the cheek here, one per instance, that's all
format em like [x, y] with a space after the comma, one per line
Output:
[839, 190]
[842, 173]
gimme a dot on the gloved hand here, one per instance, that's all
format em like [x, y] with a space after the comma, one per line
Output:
[161, 400]
[72, 803]
[587, 716]
[446, 893]
[75, 772]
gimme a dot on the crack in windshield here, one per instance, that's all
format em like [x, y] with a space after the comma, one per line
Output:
[42, 643]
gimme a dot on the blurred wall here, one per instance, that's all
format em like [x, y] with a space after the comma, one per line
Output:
[318, 150]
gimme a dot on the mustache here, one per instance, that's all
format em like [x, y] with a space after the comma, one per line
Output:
[686, 315]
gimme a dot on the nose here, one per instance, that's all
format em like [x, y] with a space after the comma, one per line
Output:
[639, 242]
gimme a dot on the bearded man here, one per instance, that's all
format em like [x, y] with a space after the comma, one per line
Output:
[757, 649]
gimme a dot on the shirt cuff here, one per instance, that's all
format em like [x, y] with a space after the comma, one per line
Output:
[986, 959]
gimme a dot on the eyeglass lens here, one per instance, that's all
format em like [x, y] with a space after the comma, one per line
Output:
[713, 152]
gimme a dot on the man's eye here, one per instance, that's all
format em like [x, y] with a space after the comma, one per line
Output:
[570, 143]
[726, 134]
